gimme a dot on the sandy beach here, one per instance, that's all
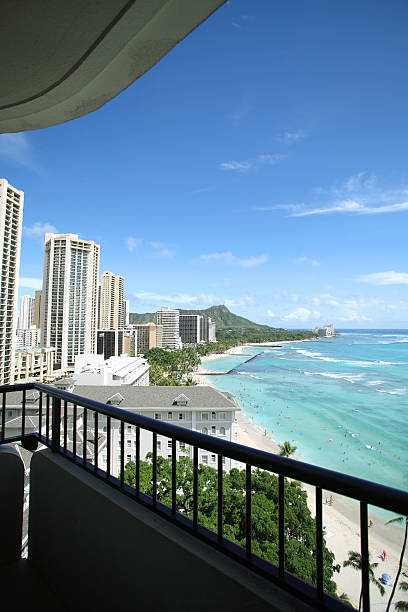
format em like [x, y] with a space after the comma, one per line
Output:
[341, 518]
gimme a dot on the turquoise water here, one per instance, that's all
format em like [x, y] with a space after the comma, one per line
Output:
[342, 401]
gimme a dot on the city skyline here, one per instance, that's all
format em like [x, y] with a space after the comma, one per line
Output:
[273, 170]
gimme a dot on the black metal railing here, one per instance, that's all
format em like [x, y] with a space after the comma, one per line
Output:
[58, 413]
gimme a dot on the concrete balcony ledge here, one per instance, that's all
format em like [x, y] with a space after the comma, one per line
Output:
[99, 550]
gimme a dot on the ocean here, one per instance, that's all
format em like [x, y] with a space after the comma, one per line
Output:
[342, 401]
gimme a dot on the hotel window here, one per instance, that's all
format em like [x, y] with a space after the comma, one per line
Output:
[204, 416]
[158, 445]
[181, 416]
[128, 458]
[213, 429]
[104, 458]
[168, 456]
[182, 445]
[221, 416]
[170, 416]
[129, 444]
[169, 443]
[204, 430]
[222, 431]
[212, 458]
[213, 416]
[129, 428]
[204, 458]
[157, 416]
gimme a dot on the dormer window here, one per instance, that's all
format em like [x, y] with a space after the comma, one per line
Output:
[181, 400]
[32, 398]
[115, 400]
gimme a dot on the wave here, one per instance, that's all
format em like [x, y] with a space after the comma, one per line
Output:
[363, 364]
[401, 391]
[352, 378]
[392, 362]
[375, 383]
[318, 356]
[249, 374]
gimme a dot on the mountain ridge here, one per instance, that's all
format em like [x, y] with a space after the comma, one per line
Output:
[224, 319]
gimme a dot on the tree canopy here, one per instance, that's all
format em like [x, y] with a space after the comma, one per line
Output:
[300, 546]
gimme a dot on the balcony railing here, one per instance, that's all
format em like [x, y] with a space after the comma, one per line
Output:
[57, 408]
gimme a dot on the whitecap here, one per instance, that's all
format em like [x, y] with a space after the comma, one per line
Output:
[352, 378]
[393, 392]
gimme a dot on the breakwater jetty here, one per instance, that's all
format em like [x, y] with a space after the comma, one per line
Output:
[214, 373]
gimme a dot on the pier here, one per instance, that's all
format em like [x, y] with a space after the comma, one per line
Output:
[215, 373]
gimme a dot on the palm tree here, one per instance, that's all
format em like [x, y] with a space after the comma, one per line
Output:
[402, 605]
[398, 519]
[286, 450]
[355, 562]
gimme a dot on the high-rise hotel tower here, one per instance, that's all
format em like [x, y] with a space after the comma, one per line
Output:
[11, 218]
[69, 309]
[111, 305]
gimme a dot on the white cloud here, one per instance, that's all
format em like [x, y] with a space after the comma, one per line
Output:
[359, 194]
[352, 315]
[306, 260]
[386, 278]
[248, 164]
[301, 314]
[181, 298]
[291, 137]
[351, 206]
[241, 166]
[229, 259]
[271, 314]
[17, 148]
[132, 243]
[161, 249]
[31, 283]
[38, 230]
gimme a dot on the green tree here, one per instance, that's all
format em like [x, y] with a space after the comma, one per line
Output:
[402, 605]
[300, 533]
[286, 450]
[355, 562]
[398, 519]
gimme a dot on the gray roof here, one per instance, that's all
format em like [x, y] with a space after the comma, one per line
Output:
[198, 397]
[139, 398]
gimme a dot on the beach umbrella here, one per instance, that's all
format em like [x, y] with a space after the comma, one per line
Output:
[386, 576]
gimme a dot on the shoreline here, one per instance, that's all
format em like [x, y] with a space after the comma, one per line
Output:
[341, 519]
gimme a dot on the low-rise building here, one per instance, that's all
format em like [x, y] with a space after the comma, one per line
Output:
[202, 409]
[122, 370]
[33, 364]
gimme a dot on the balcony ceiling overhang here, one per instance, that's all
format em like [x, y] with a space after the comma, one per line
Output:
[61, 59]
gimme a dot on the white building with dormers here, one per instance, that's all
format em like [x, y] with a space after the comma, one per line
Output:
[202, 409]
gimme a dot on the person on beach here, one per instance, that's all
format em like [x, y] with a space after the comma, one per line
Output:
[384, 555]
[371, 524]
[331, 500]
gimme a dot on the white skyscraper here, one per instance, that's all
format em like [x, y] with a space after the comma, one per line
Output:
[169, 319]
[127, 311]
[111, 305]
[11, 218]
[69, 310]
[26, 316]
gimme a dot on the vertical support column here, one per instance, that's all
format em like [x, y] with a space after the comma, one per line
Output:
[56, 424]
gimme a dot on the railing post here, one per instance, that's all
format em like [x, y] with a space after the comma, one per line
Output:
[56, 424]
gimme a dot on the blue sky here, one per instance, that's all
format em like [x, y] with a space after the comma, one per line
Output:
[261, 164]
